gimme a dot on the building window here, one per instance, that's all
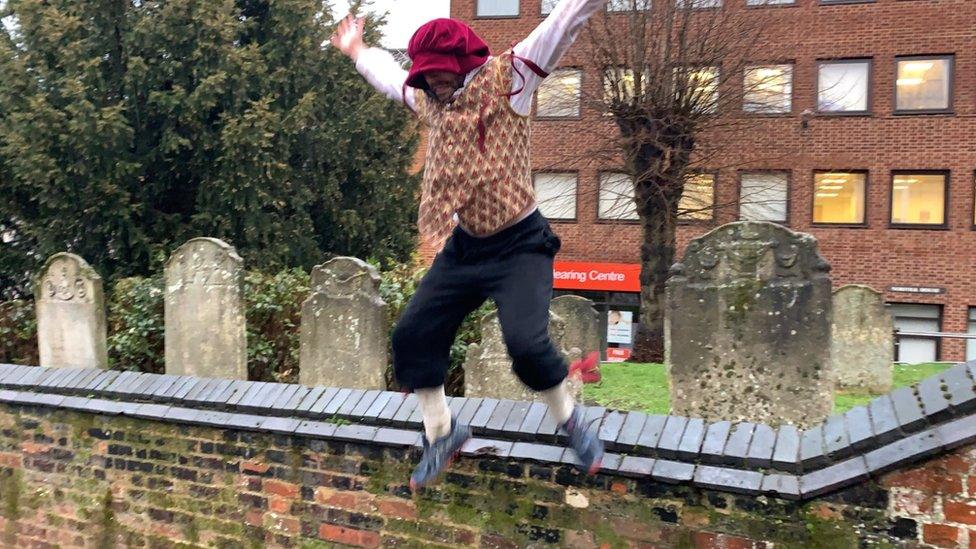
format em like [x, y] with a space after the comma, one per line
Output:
[626, 5]
[918, 199]
[556, 195]
[617, 197]
[497, 8]
[559, 95]
[918, 319]
[843, 86]
[701, 86]
[971, 329]
[762, 197]
[838, 197]
[768, 89]
[548, 6]
[769, 2]
[698, 198]
[924, 84]
[618, 84]
[699, 4]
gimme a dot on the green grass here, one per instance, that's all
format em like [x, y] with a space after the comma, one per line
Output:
[644, 387]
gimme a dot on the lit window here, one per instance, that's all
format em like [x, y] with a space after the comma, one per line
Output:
[971, 343]
[918, 199]
[498, 8]
[916, 318]
[769, 2]
[923, 84]
[618, 84]
[559, 95]
[627, 5]
[838, 197]
[702, 85]
[698, 4]
[548, 6]
[698, 199]
[768, 90]
[556, 194]
[617, 196]
[762, 197]
[843, 86]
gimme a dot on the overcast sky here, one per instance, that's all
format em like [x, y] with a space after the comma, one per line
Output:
[405, 16]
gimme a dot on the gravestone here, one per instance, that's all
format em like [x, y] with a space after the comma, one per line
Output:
[344, 327]
[70, 306]
[488, 367]
[747, 331]
[582, 323]
[205, 327]
[862, 340]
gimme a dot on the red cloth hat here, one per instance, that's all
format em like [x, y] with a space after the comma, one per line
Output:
[444, 45]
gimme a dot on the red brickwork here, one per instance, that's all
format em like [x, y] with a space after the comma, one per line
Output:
[875, 255]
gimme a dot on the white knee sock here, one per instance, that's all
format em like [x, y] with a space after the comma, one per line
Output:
[559, 401]
[437, 417]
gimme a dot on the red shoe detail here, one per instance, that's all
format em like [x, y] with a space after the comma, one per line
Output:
[587, 369]
[595, 466]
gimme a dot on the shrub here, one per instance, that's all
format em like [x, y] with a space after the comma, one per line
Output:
[274, 314]
[135, 325]
[18, 333]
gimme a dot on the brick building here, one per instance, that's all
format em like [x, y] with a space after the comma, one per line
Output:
[878, 164]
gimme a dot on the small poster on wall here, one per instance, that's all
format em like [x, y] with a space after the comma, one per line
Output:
[619, 327]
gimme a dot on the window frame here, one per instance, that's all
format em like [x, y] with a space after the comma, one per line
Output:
[579, 115]
[938, 340]
[711, 221]
[721, 4]
[518, 12]
[813, 200]
[972, 216]
[944, 226]
[844, 2]
[576, 197]
[606, 7]
[542, 13]
[870, 83]
[789, 194]
[599, 190]
[742, 82]
[950, 109]
[789, 4]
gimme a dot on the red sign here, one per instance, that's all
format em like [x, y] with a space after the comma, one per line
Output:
[617, 354]
[612, 277]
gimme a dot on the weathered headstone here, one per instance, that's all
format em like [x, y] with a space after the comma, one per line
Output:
[862, 341]
[582, 323]
[747, 331]
[488, 367]
[344, 327]
[70, 306]
[205, 329]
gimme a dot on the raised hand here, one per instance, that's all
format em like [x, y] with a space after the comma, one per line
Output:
[348, 37]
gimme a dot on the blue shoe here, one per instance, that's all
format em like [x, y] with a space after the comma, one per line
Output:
[438, 456]
[584, 441]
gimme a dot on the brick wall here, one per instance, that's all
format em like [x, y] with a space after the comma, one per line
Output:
[874, 255]
[72, 479]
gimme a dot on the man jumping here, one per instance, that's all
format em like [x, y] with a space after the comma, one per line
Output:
[477, 194]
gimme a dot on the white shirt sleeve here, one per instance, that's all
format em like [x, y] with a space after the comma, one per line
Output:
[382, 71]
[547, 44]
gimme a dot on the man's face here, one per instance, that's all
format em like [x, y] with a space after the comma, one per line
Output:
[443, 84]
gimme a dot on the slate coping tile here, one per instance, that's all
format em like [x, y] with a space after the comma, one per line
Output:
[355, 433]
[761, 447]
[316, 429]
[68, 380]
[934, 402]
[786, 455]
[548, 426]
[498, 417]
[650, 433]
[222, 392]
[53, 377]
[455, 404]
[416, 418]
[480, 447]
[781, 485]
[729, 480]
[271, 394]
[716, 436]
[907, 410]
[293, 401]
[281, 425]
[312, 397]
[251, 397]
[150, 411]
[237, 391]
[108, 407]
[636, 466]
[959, 386]
[672, 472]
[629, 431]
[737, 446]
[169, 393]
[161, 381]
[345, 410]
[836, 443]
[593, 414]
[74, 403]
[884, 423]
[104, 381]
[84, 384]
[212, 418]
[47, 399]
[181, 415]
[405, 410]
[691, 441]
[390, 410]
[187, 387]
[37, 373]
[515, 418]
[328, 409]
[674, 429]
[611, 461]
[859, 430]
[812, 452]
[117, 383]
[533, 418]
[10, 372]
[902, 451]
[389, 436]
[136, 389]
[470, 408]
[366, 403]
[201, 389]
[8, 395]
[484, 413]
[958, 432]
[613, 422]
[537, 452]
[250, 422]
[834, 477]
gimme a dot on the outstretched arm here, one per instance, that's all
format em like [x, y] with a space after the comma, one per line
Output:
[547, 44]
[375, 64]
